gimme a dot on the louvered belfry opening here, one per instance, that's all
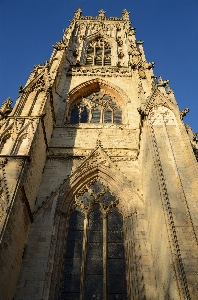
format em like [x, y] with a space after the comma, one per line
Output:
[94, 265]
[98, 107]
[98, 53]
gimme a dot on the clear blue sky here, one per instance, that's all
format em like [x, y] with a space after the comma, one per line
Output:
[169, 29]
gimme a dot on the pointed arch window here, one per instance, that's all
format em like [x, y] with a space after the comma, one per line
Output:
[94, 266]
[99, 53]
[97, 107]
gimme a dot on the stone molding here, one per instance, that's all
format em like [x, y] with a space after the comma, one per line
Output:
[96, 84]
[97, 166]
[104, 72]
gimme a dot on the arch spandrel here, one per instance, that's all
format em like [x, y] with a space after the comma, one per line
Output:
[99, 166]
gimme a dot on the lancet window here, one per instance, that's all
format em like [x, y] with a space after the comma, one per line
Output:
[99, 53]
[94, 265]
[96, 108]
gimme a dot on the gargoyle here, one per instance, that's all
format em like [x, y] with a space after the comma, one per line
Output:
[6, 108]
[150, 65]
[183, 113]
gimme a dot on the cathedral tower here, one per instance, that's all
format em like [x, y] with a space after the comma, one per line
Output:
[98, 175]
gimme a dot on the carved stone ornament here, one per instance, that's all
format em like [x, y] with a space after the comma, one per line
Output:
[6, 108]
[168, 89]
[110, 72]
[121, 54]
[76, 52]
[131, 31]
[4, 193]
[162, 82]
[125, 14]
[78, 13]
[40, 84]
[142, 113]
[20, 89]
[38, 69]
[183, 113]
[149, 65]
[99, 42]
[101, 13]
[119, 41]
[119, 27]
[62, 44]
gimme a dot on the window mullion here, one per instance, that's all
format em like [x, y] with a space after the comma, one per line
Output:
[102, 116]
[112, 115]
[84, 254]
[105, 256]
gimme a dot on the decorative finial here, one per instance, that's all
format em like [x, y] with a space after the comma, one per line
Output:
[125, 14]
[168, 89]
[20, 89]
[77, 13]
[101, 13]
[162, 82]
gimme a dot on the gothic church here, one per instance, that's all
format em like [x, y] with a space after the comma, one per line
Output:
[99, 176]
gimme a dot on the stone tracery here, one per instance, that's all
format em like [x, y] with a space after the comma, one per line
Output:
[99, 53]
[98, 107]
[94, 212]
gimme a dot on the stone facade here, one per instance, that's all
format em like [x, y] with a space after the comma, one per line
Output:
[94, 134]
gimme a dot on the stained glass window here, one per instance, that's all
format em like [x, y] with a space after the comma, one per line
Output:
[84, 117]
[74, 115]
[73, 258]
[97, 107]
[94, 261]
[94, 265]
